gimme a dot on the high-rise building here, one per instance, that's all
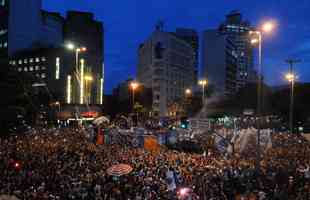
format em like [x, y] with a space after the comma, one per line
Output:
[238, 30]
[165, 65]
[83, 30]
[191, 36]
[220, 61]
[4, 30]
[23, 26]
[25, 23]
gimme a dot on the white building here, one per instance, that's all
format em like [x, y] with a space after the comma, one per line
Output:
[166, 65]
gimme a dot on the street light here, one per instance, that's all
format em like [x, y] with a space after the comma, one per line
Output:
[203, 83]
[133, 85]
[77, 50]
[266, 27]
[188, 92]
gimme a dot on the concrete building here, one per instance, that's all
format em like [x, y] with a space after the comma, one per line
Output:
[191, 36]
[83, 30]
[238, 30]
[165, 65]
[220, 61]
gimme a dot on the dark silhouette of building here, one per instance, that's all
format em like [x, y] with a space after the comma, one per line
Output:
[191, 36]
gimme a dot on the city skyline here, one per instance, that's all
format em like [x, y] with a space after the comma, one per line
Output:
[128, 25]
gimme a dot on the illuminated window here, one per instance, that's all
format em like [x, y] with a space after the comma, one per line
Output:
[25, 69]
[20, 62]
[31, 60]
[37, 68]
[13, 62]
[57, 68]
[25, 61]
[43, 59]
[43, 67]
[4, 31]
[37, 59]
[37, 75]
[43, 75]
[5, 45]
[2, 2]
[30, 68]
[20, 69]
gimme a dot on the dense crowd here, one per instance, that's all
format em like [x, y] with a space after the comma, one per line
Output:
[63, 164]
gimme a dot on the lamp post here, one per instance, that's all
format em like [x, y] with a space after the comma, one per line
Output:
[266, 27]
[133, 85]
[203, 83]
[77, 51]
[291, 77]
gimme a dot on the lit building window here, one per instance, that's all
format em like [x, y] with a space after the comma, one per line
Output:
[30, 68]
[43, 59]
[25, 69]
[43, 67]
[5, 45]
[13, 62]
[37, 68]
[20, 62]
[57, 68]
[20, 69]
[37, 75]
[2, 2]
[37, 59]
[31, 60]
[43, 75]
[25, 61]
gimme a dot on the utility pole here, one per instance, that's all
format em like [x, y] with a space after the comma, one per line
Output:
[292, 80]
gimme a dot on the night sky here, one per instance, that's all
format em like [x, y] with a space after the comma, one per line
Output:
[129, 22]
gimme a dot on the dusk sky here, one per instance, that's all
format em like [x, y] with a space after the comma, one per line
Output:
[129, 22]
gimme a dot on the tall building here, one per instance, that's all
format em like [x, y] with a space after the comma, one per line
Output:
[191, 36]
[220, 61]
[23, 26]
[238, 30]
[4, 30]
[25, 23]
[52, 29]
[83, 30]
[165, 65]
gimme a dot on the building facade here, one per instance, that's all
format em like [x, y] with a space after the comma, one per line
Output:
[191, 36]
[165, 65]
[83, 30]
[4, 31]
[220, 61]
[238, 30]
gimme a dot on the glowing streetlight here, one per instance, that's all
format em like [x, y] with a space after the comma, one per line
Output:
[133, 85]
[188, 92]
[88, 78]
[70, 46]
[203, 83]
[257, 37]
[267, 27]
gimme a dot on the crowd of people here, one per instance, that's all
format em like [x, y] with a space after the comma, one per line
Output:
[63, 164]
